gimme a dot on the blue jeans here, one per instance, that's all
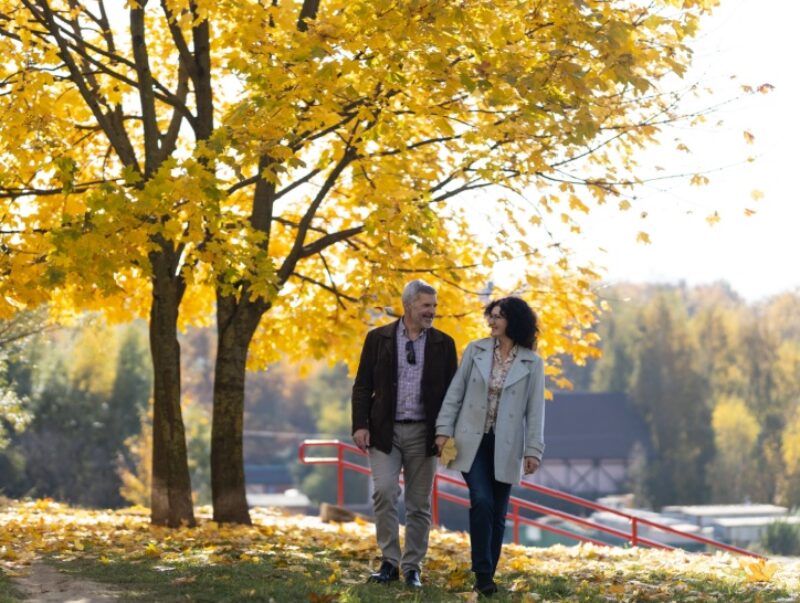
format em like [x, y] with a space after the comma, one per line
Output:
[487, 512]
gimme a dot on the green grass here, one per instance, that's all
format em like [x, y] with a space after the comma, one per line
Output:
[262, 581]
[271, 580]
[8, 594]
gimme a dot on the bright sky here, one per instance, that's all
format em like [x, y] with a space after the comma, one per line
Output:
[758, 255]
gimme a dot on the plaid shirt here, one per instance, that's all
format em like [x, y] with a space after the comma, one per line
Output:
[409, 377]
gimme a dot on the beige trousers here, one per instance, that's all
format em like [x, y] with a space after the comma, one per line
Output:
[408, 454]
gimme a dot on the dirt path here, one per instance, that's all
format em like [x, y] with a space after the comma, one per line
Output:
[45, 584]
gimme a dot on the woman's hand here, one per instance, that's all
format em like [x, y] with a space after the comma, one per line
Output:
[531, 465]
[440, 441]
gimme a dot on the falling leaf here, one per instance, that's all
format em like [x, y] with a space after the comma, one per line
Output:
[643, 237]
[748, 137]
[713, 218]
[756, 195]
[749, 212]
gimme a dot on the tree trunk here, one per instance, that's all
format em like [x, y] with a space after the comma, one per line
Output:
[236, 324]
[171, 496]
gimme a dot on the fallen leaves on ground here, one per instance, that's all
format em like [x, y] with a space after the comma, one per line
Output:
[30, 530]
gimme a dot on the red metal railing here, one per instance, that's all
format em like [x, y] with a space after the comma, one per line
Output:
[517, 504]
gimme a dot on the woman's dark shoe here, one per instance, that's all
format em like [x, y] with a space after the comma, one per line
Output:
[387, 573]
[485, 589]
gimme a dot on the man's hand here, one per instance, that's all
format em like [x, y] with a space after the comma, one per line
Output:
[531, 465]
[440, 441]
[361, 438]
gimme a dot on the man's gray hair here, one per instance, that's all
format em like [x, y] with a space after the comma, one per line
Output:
[414, 288]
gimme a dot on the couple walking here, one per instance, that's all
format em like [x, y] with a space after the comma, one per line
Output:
[410, 397]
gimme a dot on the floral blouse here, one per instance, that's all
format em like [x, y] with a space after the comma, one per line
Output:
[497, 379]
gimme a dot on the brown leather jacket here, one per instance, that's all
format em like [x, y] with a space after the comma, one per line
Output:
[375, 388]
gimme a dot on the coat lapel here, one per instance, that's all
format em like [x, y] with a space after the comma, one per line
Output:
[520, 368]
[483, 358]
[389, 342]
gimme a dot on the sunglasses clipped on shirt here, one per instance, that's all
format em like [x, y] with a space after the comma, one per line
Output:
[411, 356]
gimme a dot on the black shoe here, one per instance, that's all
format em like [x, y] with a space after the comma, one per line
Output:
[412, 579]
[387, 573]
[486, 590]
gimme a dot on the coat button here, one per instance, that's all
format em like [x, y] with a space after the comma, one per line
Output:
[513, 392]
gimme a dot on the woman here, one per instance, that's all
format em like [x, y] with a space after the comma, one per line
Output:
[494, 409]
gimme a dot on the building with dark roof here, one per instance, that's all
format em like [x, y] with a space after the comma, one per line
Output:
[594, 444]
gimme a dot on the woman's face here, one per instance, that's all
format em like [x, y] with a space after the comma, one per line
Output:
[497, 322]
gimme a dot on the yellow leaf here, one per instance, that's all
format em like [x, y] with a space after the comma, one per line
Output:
[756, 195]
[749, 212]
[713, 218]
[748, 137]
[643, 237]
[151, 550]
[623, 205]
[758, 571]
[449, 453]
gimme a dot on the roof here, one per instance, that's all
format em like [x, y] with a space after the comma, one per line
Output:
[587, 425]
[745, 510]
[735, 522]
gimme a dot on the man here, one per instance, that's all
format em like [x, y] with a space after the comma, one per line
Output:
[403, 375]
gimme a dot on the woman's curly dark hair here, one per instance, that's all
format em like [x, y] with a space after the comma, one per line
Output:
[523, 325]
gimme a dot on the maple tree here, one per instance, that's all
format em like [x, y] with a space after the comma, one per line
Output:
[301, 160]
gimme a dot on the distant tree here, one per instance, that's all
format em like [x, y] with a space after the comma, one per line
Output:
[329, 401]
[790, 448]
[672, 397]
[14, 404]
[88, 388]
[735, 463]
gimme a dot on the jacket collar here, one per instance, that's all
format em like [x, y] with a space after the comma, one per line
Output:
[519, 368]
[390, 331]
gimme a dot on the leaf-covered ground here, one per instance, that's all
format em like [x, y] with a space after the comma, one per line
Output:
[297, 558]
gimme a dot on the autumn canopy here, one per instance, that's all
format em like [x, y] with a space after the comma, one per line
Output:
[288, 165]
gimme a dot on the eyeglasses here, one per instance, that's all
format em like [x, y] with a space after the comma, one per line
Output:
[411, 356]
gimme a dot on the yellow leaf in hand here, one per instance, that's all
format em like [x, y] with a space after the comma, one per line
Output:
[449, 453]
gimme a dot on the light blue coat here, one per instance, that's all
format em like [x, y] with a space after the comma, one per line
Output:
[519, 430]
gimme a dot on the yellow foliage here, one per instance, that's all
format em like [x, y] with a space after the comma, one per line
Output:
[325, 173]
[790, 445]
[735, 429]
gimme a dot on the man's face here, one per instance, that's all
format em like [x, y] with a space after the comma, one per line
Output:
[421, 312]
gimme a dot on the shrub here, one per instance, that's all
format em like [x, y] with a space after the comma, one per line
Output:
[782, 538]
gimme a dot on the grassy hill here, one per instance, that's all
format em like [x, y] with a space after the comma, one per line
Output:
[296, 558]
